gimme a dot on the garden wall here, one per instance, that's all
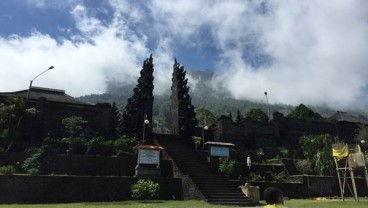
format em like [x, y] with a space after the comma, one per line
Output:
[83, 165]
[63, 189]
[314, 186]
[88, 165]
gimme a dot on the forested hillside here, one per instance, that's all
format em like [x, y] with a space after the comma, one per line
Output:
[217, 101]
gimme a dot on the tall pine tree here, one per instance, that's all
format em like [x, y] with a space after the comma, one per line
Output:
[140, 105]
[239, 116]
[182, 110]
[113, 121]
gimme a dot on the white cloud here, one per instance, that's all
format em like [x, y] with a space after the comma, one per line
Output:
[36, 3]
[316, 50]
[80, 67]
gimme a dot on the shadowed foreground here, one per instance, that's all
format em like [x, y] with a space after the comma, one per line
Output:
[349, 203]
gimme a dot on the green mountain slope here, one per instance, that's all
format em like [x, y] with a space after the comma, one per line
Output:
[219, 102]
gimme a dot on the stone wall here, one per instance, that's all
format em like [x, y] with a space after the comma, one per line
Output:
[83, 165]
[281, 131]
[50, 115]
[314, 186]
[64, 189]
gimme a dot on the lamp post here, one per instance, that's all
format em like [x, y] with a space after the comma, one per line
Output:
[30, 84]
[204, 128]
[249, 163]
[363, 143]
[145, 122]
[268, 107]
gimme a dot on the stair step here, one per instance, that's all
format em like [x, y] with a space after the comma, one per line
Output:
[223, 197]
[226, 200]
[214, 186]
[235, 203]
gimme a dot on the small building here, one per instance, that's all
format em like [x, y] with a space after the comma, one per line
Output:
[52, 106]
[345, 117]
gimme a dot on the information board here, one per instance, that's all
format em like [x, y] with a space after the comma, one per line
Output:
[149, 156]
[220, 151]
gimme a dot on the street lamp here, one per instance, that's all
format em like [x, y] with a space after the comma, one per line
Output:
[145, 122]
[363, 143]
[268, 107]
[249, 163]
[204, 128]
[30, 84]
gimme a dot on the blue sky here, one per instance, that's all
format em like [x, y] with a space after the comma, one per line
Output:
[311, 52]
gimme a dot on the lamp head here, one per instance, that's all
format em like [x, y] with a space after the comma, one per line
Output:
[51, 67]
[205, 127]
[146, 121]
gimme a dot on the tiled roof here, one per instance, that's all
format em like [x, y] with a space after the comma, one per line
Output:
[224, 144]
[49, 94]
[340, 116]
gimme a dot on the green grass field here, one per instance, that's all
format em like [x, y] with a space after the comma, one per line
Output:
[350, 203]
[330, 203]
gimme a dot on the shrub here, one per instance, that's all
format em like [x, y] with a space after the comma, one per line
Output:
[227, 167]
[33, 161]
[256, 114]
[33, 171]
[318, 148]
[74, 125]
[303, 166]
[196, 140]
[74, 140]
[255, 177]
[279, 177]
[145, 189]
[7, 170]
[284, 152]
[125, 143]
[98, 140]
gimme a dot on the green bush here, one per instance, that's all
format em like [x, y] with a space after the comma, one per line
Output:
[33, 171]
[125, 143]
[284, 152]
[74, 140]
[304, 166]
[227, 167]
[197, 141]
[98, 140]
[279, 177]
[33, 161]
[7, 170]
[318, 148]
[255, 177]
[145, 189]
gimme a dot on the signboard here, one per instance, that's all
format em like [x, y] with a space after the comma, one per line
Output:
[148, 156]
[220, 151]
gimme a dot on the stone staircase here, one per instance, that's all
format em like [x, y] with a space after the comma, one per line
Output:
[214, 187]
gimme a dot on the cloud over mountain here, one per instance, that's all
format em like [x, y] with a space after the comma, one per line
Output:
[311, 52]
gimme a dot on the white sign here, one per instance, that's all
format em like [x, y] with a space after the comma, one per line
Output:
[148, 156]
[220, 151]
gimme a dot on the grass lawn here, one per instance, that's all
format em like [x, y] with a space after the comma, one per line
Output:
[349, 203]
[328, 203]
[148, 204]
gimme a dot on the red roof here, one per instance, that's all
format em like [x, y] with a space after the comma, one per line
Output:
[223, 144]
[149, 147]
